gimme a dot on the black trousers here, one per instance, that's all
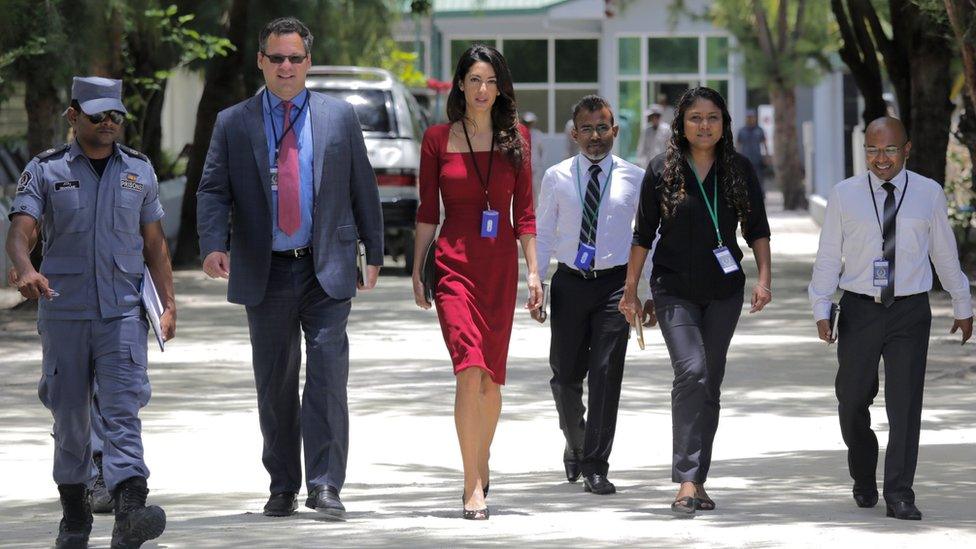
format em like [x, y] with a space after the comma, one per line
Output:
[868, 331]
[589, 340]
[697, 334]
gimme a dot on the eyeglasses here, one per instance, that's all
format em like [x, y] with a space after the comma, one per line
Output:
[601, 129]
[100, 117]
[890, 150]
[279, 59]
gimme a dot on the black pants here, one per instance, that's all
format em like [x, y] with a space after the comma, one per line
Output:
[697, 334]
[868, 331]
[589, 340]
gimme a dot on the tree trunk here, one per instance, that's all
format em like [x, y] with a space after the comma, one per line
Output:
[223, 87]
[931, 109]
[786, 153]
[43, 112]
[152, 129]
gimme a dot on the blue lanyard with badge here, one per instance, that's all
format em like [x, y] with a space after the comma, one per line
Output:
[489, 217]
[882, 270]
[585, 255]
[287, 126]
[726, 261]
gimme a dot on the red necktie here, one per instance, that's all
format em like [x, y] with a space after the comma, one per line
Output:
[288, 178]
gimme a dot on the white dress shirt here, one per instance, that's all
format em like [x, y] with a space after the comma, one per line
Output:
[850, 242]
[560, 212]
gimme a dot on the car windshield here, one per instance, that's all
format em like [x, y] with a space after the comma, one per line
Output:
[370, 105]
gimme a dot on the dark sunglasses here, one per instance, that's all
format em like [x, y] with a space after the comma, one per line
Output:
[99, 117]
[279, 59]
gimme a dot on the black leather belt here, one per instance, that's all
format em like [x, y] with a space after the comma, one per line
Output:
[590, 275]
[877, 299]
[297, 253]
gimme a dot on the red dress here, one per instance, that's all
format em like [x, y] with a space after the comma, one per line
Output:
[476, 292]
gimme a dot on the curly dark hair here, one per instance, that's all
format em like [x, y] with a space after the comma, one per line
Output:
[504, 113]
[673, 180]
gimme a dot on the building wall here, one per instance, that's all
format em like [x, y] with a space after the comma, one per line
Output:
[183, 91]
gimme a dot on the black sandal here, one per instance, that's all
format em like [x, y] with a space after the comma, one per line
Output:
[684, 507]
[476, 514]
[702, 501]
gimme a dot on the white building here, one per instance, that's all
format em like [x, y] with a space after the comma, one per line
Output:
[560, 50]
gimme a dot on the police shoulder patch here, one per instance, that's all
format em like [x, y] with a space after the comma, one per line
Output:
[24, 181]
[53, 151]
[132, 152]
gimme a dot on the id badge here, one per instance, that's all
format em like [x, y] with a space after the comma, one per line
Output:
[725, 260]
[881, 273]
[274, 178]
[489, 224]
[584, 257]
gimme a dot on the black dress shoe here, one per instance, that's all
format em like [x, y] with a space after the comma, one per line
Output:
[866, 500]
[573, 470]
[598, 484]
[282, 504]
[325, 500]
[903, 510]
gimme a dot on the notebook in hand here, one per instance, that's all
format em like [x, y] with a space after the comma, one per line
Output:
[834, 317]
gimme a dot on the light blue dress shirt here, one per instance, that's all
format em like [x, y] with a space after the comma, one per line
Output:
[274, 113]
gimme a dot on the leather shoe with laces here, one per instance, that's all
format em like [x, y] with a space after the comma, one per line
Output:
[598, 484]
[325, 500]
[903, 510]
[282, 504]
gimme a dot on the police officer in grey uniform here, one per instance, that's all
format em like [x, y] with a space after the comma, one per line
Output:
[97, 203]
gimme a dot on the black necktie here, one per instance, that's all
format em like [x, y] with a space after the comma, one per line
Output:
[888, 243]
[591, 206]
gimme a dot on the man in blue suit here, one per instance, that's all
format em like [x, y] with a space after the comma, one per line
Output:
[287, 183]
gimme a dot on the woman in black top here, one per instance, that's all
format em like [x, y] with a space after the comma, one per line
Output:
[696, 194]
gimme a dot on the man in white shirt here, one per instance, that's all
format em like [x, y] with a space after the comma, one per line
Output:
[585, 220]
[536, 136]
[654, 139]
[876, 245]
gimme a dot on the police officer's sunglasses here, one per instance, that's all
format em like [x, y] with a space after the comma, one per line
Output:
[99, 117]
[279, 59]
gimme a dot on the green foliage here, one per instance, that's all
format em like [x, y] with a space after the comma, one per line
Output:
[800, 59]
[173, 44]
[33, 47]
[959, 192]
[403, 65]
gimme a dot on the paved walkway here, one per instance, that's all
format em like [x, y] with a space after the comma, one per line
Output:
[779, 472]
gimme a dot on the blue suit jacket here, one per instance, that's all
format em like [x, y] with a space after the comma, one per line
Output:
[234, 198]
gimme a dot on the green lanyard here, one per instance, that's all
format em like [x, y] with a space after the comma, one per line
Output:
[712, 208]
[603, 190]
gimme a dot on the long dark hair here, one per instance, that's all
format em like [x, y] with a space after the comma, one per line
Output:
[504, 114]
[733, 183]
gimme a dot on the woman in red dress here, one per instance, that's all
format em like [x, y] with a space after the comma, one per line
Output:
[479, 163]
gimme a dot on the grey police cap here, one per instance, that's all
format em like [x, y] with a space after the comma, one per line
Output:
[96, 94]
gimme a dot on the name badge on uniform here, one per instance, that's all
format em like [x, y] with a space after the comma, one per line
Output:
[725, 260]
[881, 273]
[131, 182]
[584, 257]
[274, 178]
[65, 185]
[489, 224]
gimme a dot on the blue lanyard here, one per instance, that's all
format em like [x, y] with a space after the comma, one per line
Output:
[287, 125]
[603, 191]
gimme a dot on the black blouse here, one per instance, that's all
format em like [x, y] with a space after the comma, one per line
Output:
[684, 264]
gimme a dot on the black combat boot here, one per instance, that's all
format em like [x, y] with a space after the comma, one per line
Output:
[134, 522]
[76, 524]
[101, 498]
